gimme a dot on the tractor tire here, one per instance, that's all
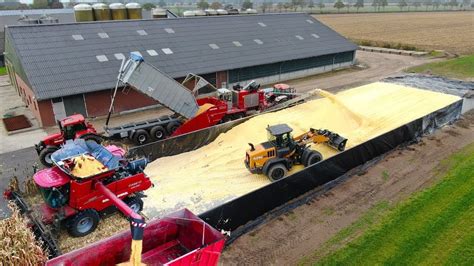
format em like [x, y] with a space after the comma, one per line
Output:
[83, 223]
[277, 172]
[172, 126]
[45, 155]
[135, 203]
[158, 133]
[96, 138]
[313, 158]
[141, 137]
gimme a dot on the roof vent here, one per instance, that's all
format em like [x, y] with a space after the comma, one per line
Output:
[213, 46]
[310, 21]
[258, 41]
[169, 30]
[103, 35]
[299, 37]
[262, 24]
[101, 58]
[142, 32]
[119, 56]
[315, 36]
[167, 51]
[236, 43]
[78, 37]
[152, 52]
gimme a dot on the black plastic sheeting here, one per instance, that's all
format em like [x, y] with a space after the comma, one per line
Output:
[243, 213]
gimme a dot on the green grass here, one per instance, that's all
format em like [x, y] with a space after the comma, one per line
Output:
[433, 227]
[3, 71]
[462, 68]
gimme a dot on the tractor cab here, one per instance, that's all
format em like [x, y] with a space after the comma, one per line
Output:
[72, 125]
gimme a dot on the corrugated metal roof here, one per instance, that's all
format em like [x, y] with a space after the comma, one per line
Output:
[57, 64]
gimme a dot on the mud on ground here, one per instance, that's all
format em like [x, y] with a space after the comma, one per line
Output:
[299, 233]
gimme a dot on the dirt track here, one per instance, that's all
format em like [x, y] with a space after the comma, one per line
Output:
[287, 239]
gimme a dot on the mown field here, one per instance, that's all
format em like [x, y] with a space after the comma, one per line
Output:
[461, 68]
[450, 31]
[433, 227]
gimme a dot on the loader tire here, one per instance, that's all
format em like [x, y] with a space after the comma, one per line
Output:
[277, 172]
[96, 138]
[45, 155]
[135, 203]
[83, 223]
[313, 158]
[158, 133]
[305, 155]
[141, 137]
[172, 126]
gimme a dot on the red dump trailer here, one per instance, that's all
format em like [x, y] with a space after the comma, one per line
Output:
[180, 238]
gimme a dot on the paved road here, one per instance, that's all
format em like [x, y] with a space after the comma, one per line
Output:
[20, 162]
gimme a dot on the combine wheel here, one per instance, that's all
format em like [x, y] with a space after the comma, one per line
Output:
[277, 171]
[158, 133]
[98, 139]
[45, 155]
[313, 158]
[141, 137]
[172, 126]
[83, 223]
[135, 203]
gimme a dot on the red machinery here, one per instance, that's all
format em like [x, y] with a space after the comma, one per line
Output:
[71, 127]
[279, 93]
[76, 199]
[180, 238]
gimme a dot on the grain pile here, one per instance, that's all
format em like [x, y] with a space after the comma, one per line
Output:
[209, 176]
[17, 243]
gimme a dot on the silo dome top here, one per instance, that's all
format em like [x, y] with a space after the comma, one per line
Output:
[81, 7]
[116, 6]
[133, 5]
[100, 6]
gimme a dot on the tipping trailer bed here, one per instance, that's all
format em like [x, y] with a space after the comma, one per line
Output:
[180, 238]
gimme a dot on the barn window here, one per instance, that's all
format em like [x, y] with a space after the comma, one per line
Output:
[78, 37]
[119, 56]
[102, 58]
[258, 41]
[167, 51]
[213, 46]
[142, 32]
[152, 52]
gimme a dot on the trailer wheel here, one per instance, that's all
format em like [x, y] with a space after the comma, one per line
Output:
[313, 158]
[45, 155]
[277, 171]
[135, 203]
[141, 137]
[83, 223]
[158, 133]
[172, 126]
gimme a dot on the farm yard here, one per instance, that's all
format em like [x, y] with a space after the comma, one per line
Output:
[450, 31]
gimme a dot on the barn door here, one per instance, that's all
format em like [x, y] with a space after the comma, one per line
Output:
[58, 108]
[75, 105]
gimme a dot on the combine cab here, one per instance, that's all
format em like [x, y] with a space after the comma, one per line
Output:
[181, 238]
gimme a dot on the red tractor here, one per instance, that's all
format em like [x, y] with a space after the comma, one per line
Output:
[87, 181]
[70, 128]
[279, 93]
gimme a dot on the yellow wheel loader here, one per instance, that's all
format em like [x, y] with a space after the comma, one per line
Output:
[276, 157]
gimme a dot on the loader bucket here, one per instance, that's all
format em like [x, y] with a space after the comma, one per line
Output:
[180, 238]
[337, 141]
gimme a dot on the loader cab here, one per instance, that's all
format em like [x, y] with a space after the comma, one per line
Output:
[280, 137]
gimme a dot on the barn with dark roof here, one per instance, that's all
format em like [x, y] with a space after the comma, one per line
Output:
[61, 69]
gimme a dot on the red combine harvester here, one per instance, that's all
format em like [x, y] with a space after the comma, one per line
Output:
[191, 114]
[70, 128]
[87, 181]
[180, 238]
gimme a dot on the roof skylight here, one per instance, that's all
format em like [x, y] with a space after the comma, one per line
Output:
[167, 51]
[152, 52]
[309, 21]
[78, 37]
[299, 37]
[315, 35]
[101, 58]
[142, 32]
[236, 43]
[258, 41]
[103, 35]
[213, 46]
[119, 56]
[169, 30]
[262, 24]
